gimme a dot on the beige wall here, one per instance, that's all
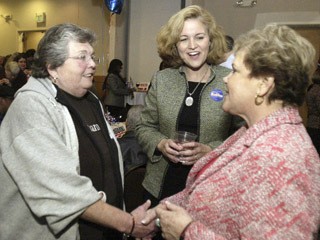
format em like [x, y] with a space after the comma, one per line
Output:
[238, 20]
[146, 18]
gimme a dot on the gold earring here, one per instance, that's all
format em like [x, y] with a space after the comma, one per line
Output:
[258, 100]
[54, 79]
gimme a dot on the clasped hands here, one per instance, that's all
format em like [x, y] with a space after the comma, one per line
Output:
[173, 220]
[146, 230]
[187, 153]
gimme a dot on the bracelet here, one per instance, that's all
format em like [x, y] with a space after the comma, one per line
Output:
[127, 235]
[133, 224]
[184, 230]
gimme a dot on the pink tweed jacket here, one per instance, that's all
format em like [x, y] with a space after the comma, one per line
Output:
[261, 183]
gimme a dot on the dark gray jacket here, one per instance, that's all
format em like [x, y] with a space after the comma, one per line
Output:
[160, 115]
[116, 90]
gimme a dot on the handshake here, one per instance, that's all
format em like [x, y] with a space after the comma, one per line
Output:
[172, 219]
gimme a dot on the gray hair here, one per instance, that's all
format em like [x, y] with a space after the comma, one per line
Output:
[13, 68]
[53, 47]
[133, 116]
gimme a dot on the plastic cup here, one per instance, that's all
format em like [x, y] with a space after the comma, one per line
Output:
[183, 137]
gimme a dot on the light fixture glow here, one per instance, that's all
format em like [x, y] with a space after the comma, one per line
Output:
[246, 3]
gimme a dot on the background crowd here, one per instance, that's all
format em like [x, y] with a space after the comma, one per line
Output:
[15, 69]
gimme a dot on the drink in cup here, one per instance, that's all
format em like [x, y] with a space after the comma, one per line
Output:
[183, 137]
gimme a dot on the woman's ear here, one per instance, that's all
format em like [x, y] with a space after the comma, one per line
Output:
[266, 85]
[52, 72]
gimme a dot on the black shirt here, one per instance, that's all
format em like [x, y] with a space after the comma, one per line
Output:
[98, 157]
[176, 175]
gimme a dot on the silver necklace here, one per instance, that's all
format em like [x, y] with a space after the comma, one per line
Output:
[189, 99]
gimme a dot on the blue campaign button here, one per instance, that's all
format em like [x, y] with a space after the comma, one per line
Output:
[216, 95]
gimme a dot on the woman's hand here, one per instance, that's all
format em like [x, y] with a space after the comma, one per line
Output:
[173, 220]
[170, 149]
[141, 229]
[149, 219]
[151, 215]
[186, 153]
[192, 152]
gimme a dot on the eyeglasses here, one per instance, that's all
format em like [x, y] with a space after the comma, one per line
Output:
[86, 58]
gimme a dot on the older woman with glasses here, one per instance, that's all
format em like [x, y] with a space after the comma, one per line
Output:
[61, 167]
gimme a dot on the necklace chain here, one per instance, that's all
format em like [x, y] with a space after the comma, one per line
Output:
[189, 99]
[190, 94]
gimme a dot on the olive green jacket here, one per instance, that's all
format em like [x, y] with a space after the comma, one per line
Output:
[159, 118]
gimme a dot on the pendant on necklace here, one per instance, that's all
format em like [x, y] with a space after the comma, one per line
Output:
[189, 101]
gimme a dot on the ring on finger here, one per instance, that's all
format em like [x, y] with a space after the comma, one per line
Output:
[157, 222]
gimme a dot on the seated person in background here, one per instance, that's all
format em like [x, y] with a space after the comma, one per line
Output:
[2, 58]
[6, 98]
[30, 59]
[22, 61]
[131, 150]
[15, 75]
[2, 72]
[263, 182]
